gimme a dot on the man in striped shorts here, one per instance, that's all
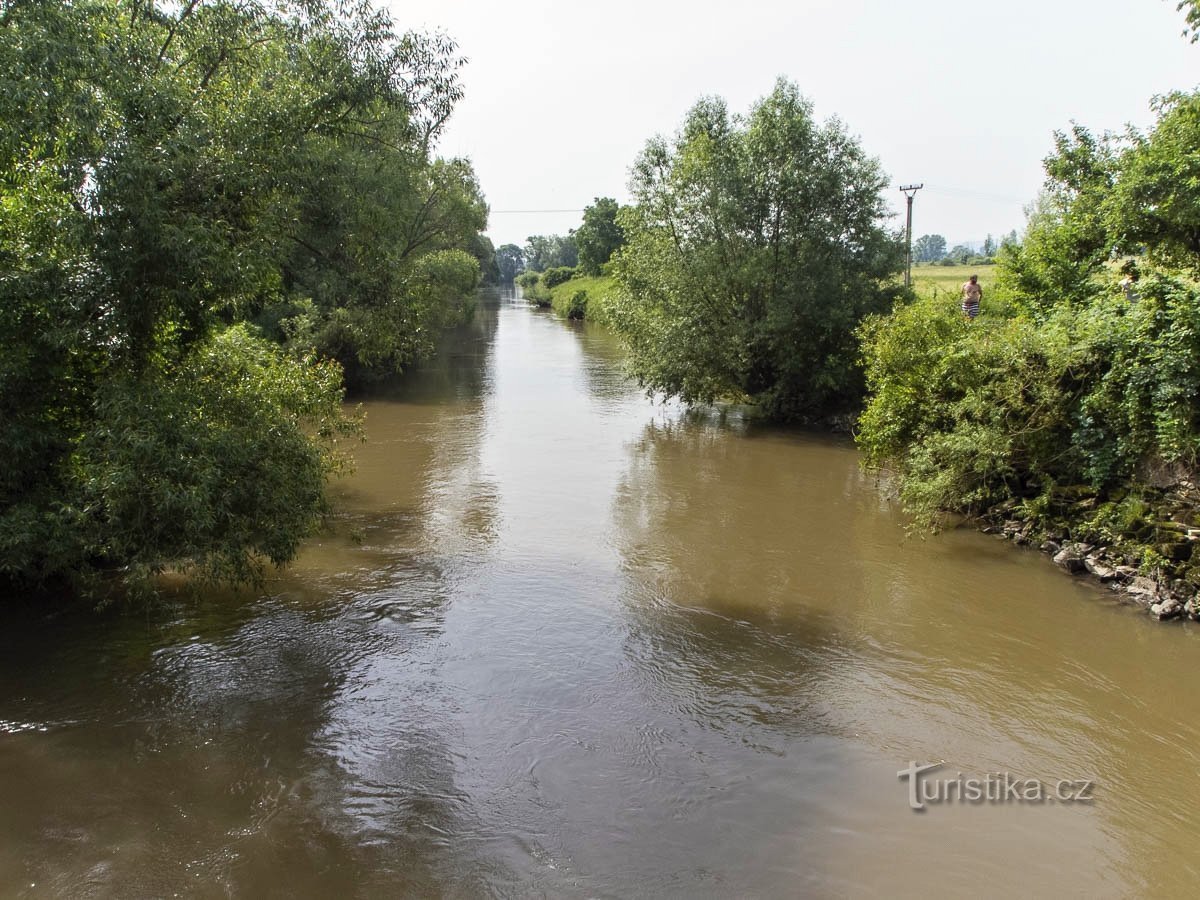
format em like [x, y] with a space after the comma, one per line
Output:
[972, 293]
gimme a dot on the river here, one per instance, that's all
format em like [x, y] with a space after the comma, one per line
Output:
[565, 641]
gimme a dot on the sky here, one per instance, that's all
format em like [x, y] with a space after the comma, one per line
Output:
[961, 96]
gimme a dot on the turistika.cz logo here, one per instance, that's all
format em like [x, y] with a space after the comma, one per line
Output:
[994, 788]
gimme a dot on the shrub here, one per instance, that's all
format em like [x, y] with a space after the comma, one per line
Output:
[577, 308]
[970, 414]
[552, 278]
[213, 466]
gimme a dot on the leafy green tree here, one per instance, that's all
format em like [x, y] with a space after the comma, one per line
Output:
[1155, 199]
[356, 286]
[484, 251]
[1066, 239]
[599, 236]
[958, 255]
[755, 246]
[929, 248]
[510, 259]
[212, 466]
[550, 251]
[162, 163]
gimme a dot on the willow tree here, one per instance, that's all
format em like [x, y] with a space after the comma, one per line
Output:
[755, 246]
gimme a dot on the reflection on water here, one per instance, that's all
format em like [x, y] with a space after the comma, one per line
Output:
[564, 641]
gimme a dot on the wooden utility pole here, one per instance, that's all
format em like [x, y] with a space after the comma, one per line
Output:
[910, 191]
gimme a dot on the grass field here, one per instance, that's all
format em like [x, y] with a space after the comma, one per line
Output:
[938, 280]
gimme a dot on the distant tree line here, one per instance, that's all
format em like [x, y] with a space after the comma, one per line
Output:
[931, 248]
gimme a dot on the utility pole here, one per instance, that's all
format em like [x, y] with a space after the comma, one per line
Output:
[910, 191]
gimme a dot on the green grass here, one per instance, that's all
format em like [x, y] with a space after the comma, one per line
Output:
[599, 289]
[934, 281]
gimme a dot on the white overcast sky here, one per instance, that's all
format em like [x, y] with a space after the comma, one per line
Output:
[960, 95]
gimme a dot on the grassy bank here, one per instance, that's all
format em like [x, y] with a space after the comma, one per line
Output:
[583, 297]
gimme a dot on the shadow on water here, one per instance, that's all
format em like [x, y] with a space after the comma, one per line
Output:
[458, 369]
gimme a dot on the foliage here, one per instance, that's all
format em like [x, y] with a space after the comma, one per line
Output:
[510, 260]
[532, 289]
[372, 225]
[544, 252]
[971, 414]
[599, 295]
[167, 170]
[1192, 10]
[754, 249]
[481, 247]
[1062, 383]
[552, 278]
[1066, 241]
[211, 465]
[600, 235]
[928, 248]
[1155, 200]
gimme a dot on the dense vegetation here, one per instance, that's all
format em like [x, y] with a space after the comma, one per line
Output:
[1076, 395]
[209, 209]
[754, 248]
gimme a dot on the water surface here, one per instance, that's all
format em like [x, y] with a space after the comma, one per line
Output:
[564, 641]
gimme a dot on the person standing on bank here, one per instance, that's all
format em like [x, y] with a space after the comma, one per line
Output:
[972, 293]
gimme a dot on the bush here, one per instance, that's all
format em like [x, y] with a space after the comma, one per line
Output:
[577, 308]
[971, 414]
[211, 466]
[552, 278]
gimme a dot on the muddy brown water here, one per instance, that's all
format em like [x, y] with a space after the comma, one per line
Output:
[565, 641]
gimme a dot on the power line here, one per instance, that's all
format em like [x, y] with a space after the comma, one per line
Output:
[982, 195]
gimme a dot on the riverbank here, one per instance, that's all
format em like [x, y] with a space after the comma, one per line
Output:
[581, 297]
[1141, 546]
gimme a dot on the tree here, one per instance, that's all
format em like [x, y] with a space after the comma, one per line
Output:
[959, 255]
[599, 236]
[510, 259]
[929, 248]
[170, 172]
[550, 251]
[1066, 239]
[755, 246]
[989, 246]
[1155, 200]
[484, 251]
